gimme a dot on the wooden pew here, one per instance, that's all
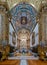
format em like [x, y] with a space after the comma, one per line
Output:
[10, 62]
[36, 62]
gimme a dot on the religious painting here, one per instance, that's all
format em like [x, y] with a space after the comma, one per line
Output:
[23, 20]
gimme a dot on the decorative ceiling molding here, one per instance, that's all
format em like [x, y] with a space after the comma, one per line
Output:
[35, 4]
[4, 4]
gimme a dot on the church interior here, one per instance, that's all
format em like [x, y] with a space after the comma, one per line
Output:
[23, 32]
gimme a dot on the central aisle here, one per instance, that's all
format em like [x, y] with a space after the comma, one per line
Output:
[23, 62]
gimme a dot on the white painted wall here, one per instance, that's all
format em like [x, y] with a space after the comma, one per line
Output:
[11, 28]
[36, 36]
[10, 36]
[31, 40]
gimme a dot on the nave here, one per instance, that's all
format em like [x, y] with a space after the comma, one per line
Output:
[23, 32]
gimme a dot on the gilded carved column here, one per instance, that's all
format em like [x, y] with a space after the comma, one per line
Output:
[40, 30]
[5, 29]
[4, 25]
[42, 21]
[43, 25]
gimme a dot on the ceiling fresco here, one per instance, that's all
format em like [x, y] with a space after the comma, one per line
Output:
[24, 12]
[23, 16]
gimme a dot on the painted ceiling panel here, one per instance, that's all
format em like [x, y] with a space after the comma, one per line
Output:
[23, 10]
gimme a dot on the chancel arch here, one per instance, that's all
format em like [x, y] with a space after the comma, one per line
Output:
[23, 27]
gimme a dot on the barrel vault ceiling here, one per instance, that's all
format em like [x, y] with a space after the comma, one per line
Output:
[26, 9]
